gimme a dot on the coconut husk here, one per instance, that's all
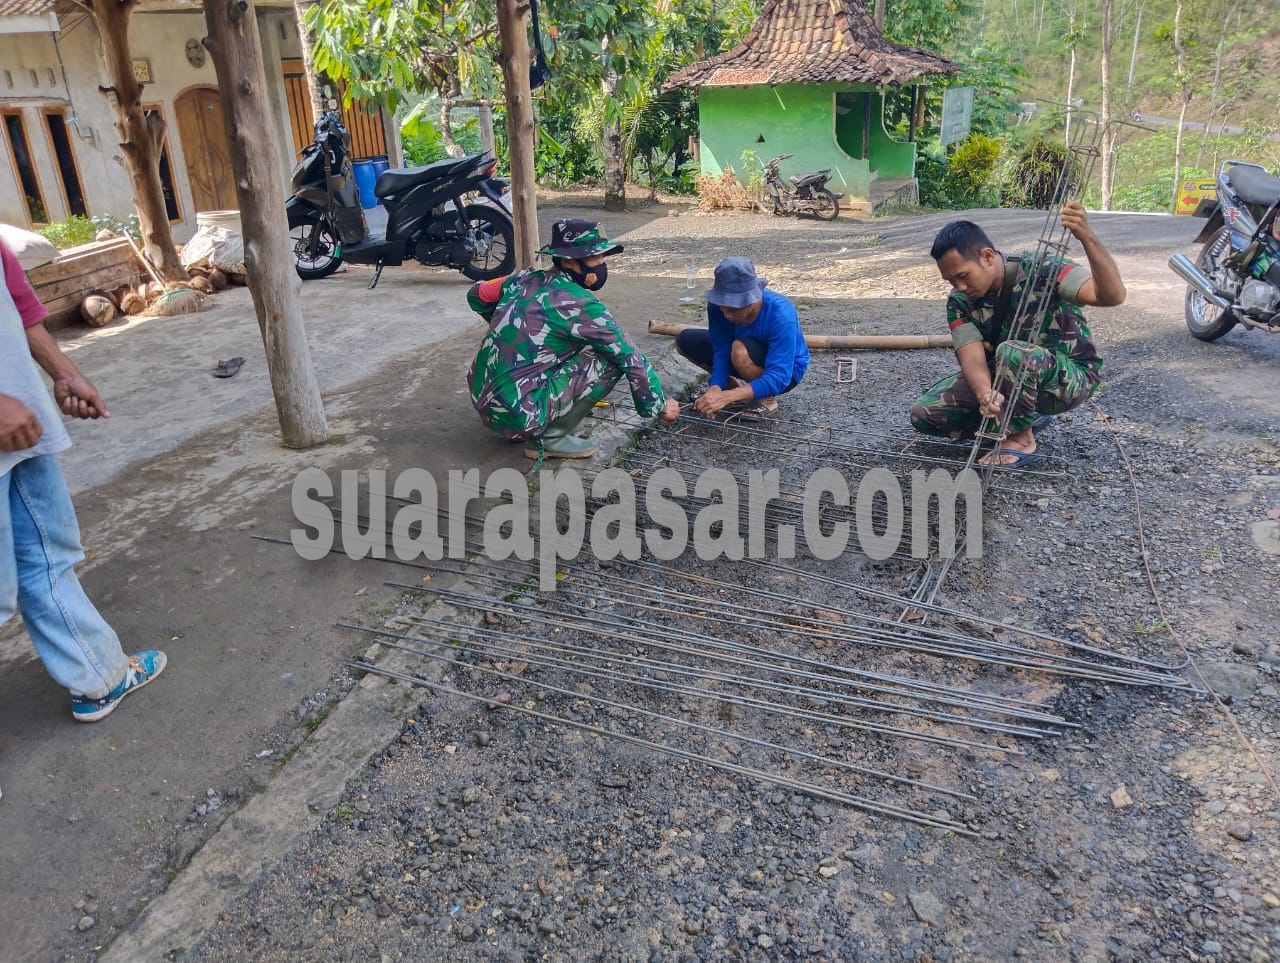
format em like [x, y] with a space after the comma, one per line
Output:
[179, 300]
[217, 279]
[132, 303]
[203, 285]
[97, 309]
[238, 279]
[198, 272]
[154, 290]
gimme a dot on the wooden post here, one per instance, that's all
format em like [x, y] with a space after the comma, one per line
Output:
[879, 14]
[487, 142]
[514, 38]
[139, 145]
[236, 50]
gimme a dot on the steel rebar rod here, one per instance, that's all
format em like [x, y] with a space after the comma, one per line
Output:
[764, 705]
[663, 717]
[919, 689]
[819, 792]
[480, 603]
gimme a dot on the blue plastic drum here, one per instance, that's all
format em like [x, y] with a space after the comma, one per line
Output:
[365, 179]
[379, 165]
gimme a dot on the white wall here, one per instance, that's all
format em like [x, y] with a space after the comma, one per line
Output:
[159, 37]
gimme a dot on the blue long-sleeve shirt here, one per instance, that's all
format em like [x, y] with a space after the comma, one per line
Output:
[778, 326]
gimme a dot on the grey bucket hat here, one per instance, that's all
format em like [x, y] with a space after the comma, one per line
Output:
[736, 284]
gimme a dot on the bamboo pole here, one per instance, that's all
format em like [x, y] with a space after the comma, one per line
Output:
[839, 342]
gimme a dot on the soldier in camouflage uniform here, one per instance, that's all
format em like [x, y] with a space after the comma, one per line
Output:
[553, 350]
[1054, 369]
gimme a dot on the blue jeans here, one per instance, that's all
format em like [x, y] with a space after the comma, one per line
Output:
[39, 548]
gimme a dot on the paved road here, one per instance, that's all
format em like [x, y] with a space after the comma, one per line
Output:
[1190, 124]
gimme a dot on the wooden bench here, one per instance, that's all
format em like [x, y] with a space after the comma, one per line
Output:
[99, 266]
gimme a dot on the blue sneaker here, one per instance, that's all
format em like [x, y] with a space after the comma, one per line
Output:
[143, 667]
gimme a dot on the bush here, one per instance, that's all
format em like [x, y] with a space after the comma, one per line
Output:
[71, 232]
[1033, 179]
[961, 180]
[728, 192]
[971, 166]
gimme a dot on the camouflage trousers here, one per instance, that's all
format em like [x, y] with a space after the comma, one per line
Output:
[1050, 385]
[549, 396]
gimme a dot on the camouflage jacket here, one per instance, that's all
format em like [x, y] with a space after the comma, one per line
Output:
[540, 322]
[1054, 300]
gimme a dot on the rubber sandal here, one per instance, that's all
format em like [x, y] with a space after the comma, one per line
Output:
[1041, 423]
[1023, 458]
[229, 368]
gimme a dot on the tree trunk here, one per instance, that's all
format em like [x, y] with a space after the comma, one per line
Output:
[236, 50]
[1104, 118]
[139, 148]
[1133, 55]
[1071, 87]
[1186, 100]
[513, 35]
[615, 172]
[451, 146]
[306, 39]
[879, 14]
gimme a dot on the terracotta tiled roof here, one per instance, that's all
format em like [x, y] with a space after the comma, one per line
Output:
[812, 42]
[25, 8]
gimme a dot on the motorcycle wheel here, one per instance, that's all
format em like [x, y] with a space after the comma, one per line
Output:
[826, 207]
[1206, 321]
[493, 239]
[302, 226]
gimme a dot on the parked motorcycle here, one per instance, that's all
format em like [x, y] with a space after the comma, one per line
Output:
[1236, 279]
[805, 194]
[327, 223]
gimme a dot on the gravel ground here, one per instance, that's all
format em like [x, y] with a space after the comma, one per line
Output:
[1139, 828]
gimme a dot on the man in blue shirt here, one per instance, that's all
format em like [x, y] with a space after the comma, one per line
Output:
[753, 339]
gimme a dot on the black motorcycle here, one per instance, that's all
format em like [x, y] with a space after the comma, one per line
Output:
[327, 225]
[806, 194]
[1236, 279]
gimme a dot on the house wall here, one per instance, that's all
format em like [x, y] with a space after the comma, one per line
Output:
[159, 37]
[798, 119]
[888, 157]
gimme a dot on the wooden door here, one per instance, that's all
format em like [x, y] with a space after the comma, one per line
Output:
[204, 144]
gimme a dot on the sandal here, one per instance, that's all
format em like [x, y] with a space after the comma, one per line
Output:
[228, 369]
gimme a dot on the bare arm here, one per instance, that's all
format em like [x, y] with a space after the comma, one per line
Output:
[1106, 288]
[75, 394]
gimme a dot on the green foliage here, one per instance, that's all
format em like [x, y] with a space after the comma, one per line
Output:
[961, 180]
[931, 24]
[74, 230]
[424, 144]
[972, 163]
[1033, 179]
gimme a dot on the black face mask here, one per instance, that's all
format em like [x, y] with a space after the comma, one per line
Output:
[598, 275]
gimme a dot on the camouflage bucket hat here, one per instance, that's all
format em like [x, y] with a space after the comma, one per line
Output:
[575, 238]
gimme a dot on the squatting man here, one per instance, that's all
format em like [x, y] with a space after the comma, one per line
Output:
[1055, 370]
[553, 349]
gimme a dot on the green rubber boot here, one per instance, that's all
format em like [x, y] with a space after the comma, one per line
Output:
[558, 440]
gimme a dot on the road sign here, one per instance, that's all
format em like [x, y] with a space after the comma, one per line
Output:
[957, 112]
[1193, 192]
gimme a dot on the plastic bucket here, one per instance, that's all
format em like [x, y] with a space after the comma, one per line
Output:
[365, 179]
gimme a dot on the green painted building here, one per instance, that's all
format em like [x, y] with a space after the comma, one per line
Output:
[810, 80]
